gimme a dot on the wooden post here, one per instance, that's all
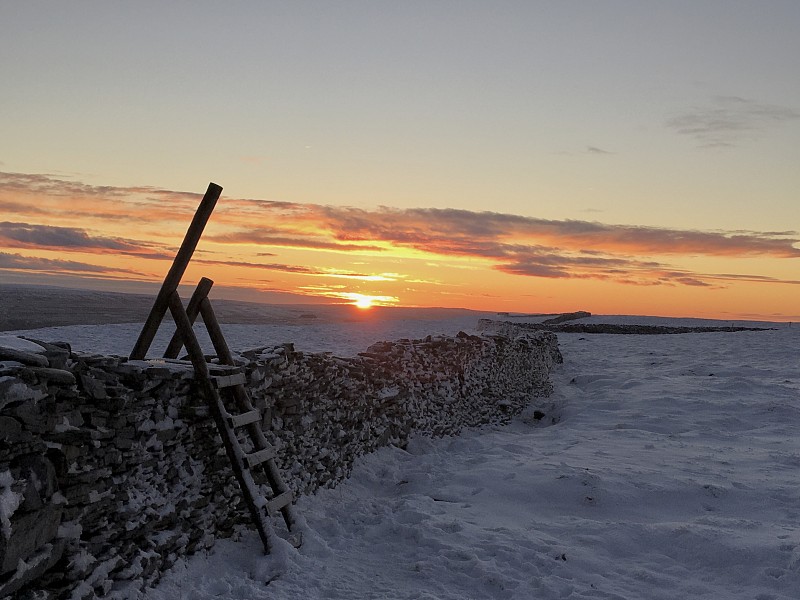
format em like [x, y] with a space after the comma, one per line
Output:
[192, 310]
[215, 332]
[176, 272]
[185, 328]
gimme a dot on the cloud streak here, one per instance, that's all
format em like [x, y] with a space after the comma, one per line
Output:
[489, 234]
[19, 262]
[597, 150]
[296, 239]
[729, 120]
[64, 200]
[304, 270]
[27, 235]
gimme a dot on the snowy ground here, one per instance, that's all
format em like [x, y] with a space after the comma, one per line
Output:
[673, 472]
[340, 336]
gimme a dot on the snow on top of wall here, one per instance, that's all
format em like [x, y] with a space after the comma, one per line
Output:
[17, 343]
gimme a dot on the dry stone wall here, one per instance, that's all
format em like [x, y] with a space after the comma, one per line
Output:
[111, 469]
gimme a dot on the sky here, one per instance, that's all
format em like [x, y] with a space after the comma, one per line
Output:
[623, 157]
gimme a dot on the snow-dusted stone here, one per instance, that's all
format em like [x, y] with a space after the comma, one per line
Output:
[32, 569]
[95, 389]
[13, 342]
[14, 390]
[29, 532]
[54, 376]
[26, 358]
[57, 354]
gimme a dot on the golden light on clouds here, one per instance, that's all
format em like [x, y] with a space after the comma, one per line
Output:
[299, 252]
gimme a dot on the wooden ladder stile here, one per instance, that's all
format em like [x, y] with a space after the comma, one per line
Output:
[223, 386]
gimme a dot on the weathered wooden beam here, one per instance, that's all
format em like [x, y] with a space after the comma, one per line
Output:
[226, 381]
[192, 310]
[176, 272]
[215, 332]
[192, 345]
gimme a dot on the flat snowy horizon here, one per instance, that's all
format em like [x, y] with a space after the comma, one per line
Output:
[672, 471]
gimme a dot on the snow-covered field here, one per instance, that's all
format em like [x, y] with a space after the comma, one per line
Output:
[673, 472]
[342, 337]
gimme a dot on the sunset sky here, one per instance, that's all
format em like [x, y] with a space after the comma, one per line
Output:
[638, 157]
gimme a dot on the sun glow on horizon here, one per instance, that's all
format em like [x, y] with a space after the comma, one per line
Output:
[364, 303]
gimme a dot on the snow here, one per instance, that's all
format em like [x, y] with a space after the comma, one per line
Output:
[666, 468]
[342, 338]
[17, 343]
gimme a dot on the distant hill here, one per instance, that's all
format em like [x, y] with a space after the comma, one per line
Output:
[33, 306]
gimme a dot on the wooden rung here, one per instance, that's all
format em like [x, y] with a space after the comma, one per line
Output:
[253, 416]
[224, 381]
[215, 369]
[171, 361]
[278, 502]
[256, 458]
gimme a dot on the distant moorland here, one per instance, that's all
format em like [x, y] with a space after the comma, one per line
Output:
[33, 306]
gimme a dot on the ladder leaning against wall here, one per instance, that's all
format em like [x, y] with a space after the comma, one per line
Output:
[222, 385]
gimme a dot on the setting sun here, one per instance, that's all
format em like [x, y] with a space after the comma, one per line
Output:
[364, 302]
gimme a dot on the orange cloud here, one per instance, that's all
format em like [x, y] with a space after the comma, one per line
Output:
[270, 236]
[60, 201]
[18, 262]
[519, 245]
[70, 239]
[59, 214]
[477, 233]
[303, 270]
